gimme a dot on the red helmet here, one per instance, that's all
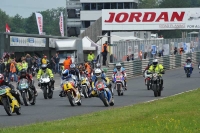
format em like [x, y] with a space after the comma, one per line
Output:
[1, 79]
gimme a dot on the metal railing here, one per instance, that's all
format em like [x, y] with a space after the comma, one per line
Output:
[123, 48]
[136, 67]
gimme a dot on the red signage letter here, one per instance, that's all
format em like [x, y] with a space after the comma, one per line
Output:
[124, 17]
[136, 16]
[110, 20]
[178, 17]
[146, 17]
[163, 15]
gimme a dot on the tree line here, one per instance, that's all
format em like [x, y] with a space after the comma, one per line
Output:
[28, 25]
[18, 24]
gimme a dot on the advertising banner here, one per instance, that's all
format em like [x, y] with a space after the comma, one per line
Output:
[151, 19]
[61, 24]
[166, 49]
[154, 49]
[39, 19]
[27, 41]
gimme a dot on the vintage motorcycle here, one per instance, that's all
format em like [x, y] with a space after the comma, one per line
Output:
[85, 85]
[27, 93]
[72, 92]
[46, 86]
[9, 102]
[155, 83]
[104, 93]
[119, 83]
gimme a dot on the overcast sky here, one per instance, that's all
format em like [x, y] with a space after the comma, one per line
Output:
[26, 7]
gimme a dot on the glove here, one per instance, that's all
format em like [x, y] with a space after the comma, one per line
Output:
[113, 81]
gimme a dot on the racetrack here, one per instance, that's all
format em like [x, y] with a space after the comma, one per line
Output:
[175, 82]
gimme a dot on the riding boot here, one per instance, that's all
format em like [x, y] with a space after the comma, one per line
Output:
[125, 85]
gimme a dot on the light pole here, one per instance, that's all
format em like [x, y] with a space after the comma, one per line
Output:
[66, 15]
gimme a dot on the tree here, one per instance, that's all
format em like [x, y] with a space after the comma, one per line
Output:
[31, 25]
[18, 24]
[4, 18]
[175, 4]
[148, 4]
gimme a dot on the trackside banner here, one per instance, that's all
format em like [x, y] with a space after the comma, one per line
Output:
[151, 19]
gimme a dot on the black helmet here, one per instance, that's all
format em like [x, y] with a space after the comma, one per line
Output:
[23, 72]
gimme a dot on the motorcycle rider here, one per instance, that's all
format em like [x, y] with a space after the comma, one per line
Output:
[157, 68]
[13, 92]
[188, 60]
[43, 70]
[24, 74]
[144, 72]
[119, 68]
[98, 74]
[66, 75]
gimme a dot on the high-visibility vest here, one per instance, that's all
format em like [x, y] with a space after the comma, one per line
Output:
[107, 47]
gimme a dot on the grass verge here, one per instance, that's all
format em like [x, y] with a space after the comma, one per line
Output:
[176, 114]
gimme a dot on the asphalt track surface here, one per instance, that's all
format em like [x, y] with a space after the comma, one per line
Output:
[175, 81]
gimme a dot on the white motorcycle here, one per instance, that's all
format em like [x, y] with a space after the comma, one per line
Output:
[119, 83]
[46, 86]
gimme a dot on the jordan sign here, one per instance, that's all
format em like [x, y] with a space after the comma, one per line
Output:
[151, 19]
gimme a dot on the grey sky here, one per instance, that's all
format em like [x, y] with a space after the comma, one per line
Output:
[26, 7]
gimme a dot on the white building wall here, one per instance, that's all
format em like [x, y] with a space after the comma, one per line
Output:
[106, 1]
[90, 15]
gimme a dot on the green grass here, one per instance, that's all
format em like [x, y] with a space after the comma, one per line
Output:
[176, 114]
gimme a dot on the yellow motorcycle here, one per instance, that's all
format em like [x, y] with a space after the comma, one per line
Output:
[72, 92]
[85, 85]
[9, 102]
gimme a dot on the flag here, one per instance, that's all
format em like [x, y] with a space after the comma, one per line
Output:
[7, 28]
[61, 24]
[39, 19]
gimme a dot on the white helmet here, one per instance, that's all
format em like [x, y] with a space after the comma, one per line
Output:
[155, 62]
[118, 66]
[98, 72]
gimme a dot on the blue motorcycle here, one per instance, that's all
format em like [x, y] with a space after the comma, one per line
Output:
[104, 93]
[188, 69]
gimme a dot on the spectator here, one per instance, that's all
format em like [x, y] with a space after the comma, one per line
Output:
[104, 52]
[90, 57]
[44, 60]
[67, 63]
[52, 64]
[175, 50]
[145, 55]
[57, 61]
[13, 71]
[2, 67]
[29, 61]
[132, 57]
[24, 64]
[127, 58]
[140, 55]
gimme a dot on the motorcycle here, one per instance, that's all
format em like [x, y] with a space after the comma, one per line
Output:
[148, 79]
[9, 102]
[46, 86]
[12, 78]
[27, 93]
[104, 93]
[72, 93]
[188, 68]
[119, 83]
[34, 70]
[155, 84]
[85, 85]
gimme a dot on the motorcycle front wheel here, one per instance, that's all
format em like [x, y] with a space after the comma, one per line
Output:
[71, 98]
[7, 106]
[104, 99]
[44, 92]
[25, 99]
